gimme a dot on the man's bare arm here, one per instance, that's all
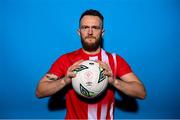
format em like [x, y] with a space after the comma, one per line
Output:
[49, 85]
[130, 85]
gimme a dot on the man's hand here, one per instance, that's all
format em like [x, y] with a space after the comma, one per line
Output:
[107, 71]
[70, 72]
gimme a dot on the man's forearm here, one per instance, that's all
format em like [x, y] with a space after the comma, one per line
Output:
[133, 89]
[47, 88]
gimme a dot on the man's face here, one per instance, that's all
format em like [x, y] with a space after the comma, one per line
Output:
[91, 32]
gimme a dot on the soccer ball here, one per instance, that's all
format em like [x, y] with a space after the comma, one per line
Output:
[90, 80]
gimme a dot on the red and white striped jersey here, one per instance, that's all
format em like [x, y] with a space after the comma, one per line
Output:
[79, 108]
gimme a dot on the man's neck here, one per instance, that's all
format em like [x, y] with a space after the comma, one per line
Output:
[92, 52]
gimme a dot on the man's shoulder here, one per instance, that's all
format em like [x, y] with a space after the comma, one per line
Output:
[75, 52]
[111, 53]
[114, 54]
[69, 55]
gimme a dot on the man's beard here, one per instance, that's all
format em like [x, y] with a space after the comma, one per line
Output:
[90, 47]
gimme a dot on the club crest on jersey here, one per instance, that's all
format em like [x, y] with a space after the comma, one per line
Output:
[101, 75]
[82, 67]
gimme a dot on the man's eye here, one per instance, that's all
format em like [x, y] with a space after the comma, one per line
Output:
[96, 27]
[84, 27]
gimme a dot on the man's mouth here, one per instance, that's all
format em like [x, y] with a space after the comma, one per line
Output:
[91, 37]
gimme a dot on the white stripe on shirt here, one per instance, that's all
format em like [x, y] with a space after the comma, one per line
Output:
[92, 111]
[111, 111]
[103, 112]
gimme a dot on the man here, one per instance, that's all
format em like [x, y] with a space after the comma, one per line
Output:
[116, 68]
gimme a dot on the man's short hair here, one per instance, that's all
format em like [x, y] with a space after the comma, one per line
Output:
[93, 13]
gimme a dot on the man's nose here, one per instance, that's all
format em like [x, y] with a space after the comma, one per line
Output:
[90, 31]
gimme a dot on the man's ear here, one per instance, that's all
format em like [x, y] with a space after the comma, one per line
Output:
[78, 32]
[103, 32]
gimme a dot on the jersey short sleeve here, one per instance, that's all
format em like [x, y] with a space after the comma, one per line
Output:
[122, 66]
[60, 66]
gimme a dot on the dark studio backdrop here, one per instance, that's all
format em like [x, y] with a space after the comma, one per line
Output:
[34, 33]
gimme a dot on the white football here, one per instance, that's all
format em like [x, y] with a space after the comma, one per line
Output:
[90, 80]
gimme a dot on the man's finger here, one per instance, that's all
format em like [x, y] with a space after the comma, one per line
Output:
[108, 73]
[104, 65]
[71, 75]
[75, 65]
[78, 62]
